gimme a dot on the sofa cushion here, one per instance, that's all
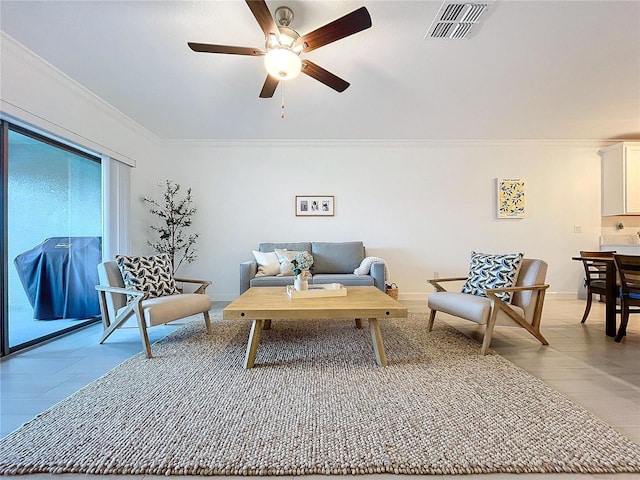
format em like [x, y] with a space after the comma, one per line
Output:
[346, 279]
[271, 246]
[271, 281]
[488, 271]
[338, 257]
[268, 263]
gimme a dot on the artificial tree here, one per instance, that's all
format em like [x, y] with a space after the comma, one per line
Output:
[176, 215]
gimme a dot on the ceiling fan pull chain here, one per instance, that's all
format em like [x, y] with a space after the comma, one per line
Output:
[282, 104]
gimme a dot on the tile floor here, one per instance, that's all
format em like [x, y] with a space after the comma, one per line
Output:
[24, 328]
[580, 362]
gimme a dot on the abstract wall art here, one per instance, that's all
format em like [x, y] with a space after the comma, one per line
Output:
[511, 197]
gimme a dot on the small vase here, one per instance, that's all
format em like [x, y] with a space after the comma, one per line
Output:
[301, 283]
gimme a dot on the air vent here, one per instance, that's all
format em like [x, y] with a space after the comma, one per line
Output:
[456, 20]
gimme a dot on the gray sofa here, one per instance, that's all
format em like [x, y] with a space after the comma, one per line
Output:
[333, 262]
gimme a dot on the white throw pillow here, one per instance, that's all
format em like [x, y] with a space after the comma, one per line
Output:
[268, 264]
[365, 266]
[285, 257]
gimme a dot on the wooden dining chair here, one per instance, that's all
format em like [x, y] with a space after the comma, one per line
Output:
[595, 277]
[628, 267]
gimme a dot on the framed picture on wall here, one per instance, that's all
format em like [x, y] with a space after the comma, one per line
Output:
[510, 197]
[315, 205]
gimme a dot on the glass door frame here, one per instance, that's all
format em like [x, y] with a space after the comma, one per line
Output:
[4, 236]
[5, 127]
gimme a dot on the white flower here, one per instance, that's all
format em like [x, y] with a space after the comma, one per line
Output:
[302, 261]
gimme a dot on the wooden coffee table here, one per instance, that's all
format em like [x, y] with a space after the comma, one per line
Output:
[262, 304]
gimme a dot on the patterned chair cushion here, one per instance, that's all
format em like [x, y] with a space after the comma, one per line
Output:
[492, 271]
[151, 275]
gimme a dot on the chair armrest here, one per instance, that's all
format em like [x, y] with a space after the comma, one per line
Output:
[517, 289]
[203, 283]
[439, 288]
[248, 270]
[124, 291]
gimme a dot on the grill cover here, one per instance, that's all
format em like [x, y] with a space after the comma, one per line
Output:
[59, 277]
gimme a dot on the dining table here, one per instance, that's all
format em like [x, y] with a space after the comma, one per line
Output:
[611, 286]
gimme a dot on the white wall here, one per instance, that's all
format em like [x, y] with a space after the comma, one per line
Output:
[422, 206]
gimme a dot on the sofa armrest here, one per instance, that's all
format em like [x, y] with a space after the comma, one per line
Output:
[248, 270]
[377, 272]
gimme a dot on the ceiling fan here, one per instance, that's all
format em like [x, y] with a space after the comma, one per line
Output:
[283, 45]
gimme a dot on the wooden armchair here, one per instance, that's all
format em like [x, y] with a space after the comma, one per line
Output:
[628, 267]
[524, 310]
[115, 310]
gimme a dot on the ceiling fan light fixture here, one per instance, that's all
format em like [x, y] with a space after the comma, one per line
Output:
[272, 41]
[282, 63]
[287, 37]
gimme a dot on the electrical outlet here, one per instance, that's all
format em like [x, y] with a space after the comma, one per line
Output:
[577, 229]
[436, 274]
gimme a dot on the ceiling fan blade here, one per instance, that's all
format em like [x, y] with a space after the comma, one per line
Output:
[269, 87]
[351, 23]
[263, 16]
[324, 76]
[210, 48]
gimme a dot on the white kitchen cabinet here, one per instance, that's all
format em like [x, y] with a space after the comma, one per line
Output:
[621, 179]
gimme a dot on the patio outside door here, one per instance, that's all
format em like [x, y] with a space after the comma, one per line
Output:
[53, 238]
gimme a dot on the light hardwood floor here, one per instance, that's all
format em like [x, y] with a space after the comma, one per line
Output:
[580, 362]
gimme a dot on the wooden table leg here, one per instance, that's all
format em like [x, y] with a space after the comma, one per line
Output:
[376, 339]
[252, 345]
[358, 323]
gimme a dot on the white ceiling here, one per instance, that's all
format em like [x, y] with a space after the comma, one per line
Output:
[533, 70]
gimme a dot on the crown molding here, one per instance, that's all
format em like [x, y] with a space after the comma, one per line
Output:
[51, 73]
[390, 143]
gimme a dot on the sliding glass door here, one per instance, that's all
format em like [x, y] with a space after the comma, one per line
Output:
[52, 237]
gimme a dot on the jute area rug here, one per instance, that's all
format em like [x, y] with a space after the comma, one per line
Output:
[316, 403]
